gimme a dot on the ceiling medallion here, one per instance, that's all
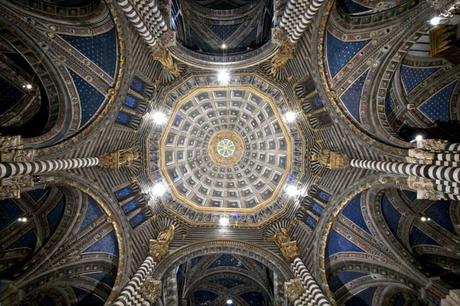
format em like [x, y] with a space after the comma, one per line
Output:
[225, 148]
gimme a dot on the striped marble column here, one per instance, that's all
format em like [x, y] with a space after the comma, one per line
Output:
[420, 170]
[453, 147]
[132, 292]
[313, 294]
[297, 15]
[146, 18]
[45, 166]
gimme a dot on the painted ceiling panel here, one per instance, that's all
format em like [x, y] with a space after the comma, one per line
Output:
[351, 98]
[412, 76]
[337, 243]
[437, 108]
[363, 298]
[353, 212]
[439, 213]
[342, 278]
[391, 215]
[107, 244]
[340, 52]
[93, 212]
[417, 237]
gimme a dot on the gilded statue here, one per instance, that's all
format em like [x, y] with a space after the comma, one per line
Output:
[293, 289]
[159, 248]
[287, 247]
[285, 52]
[331, 160]
[162, 54]
[151, 289]
[118, 159]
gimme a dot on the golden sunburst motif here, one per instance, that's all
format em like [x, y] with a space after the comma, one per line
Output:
[226, 148]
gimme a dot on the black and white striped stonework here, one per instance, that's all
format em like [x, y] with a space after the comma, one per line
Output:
[45, 166]
[297, 15]
[132, 292]
[313, 294]
[427, 171]
[453, 147]
[146, 18]
[448, 156]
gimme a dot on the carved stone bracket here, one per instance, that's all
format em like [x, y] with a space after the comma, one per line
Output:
[331, 160]
[288, 248]
[151, 289]
[293, 289]
[159, 248]
[118, 159]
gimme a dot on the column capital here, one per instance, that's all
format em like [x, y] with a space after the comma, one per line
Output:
[432, 145]
[424, 188]
[151, 289]
[288, 247]
[293, 289]
[162, 54]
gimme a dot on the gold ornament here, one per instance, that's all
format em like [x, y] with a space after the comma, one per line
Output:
[159, 248]
[215, 152]
[331, 160]
[285, 51]
[424, 188]
[294, 289]
[118, 159]
[287, 247]
[162, 54]
[151, 289]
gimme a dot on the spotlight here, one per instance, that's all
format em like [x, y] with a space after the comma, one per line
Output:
[425, 219]
[435, 20]
[22, 219]
[159, 189]
[229, 302]
[223, 46]
[224, 221]
[27, 86]
[418, 138]
[223, 76]
[292, 190]
[159, 117]
[290, 116]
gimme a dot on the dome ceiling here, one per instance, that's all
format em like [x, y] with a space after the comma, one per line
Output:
[226, 149]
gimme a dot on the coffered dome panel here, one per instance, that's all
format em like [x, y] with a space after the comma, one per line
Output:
[225, 148]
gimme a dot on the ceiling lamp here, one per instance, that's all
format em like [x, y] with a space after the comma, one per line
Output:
[435, 20]
[223, 46]
[292, 190]
[223, 76]
[22, 219]
[229, 302]
[159, 189]
[224, 221]
[290, 116]
[159, 117]
[27, 86]
[418, 138]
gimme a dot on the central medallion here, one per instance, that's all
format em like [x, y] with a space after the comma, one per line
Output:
[225, 148]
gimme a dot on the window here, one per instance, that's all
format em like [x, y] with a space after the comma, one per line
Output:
[131, 102]
[129, 207]
[124, 193]
[123, 118]
[323, 195]
[310, 222]
[137, 220]
[315, 207]
[137, 85]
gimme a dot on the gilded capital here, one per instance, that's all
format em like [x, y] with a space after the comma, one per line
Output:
[293, 289]
[159, 248]
[118, 159]
[424, 188]
[151, 289]
[287, 247]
